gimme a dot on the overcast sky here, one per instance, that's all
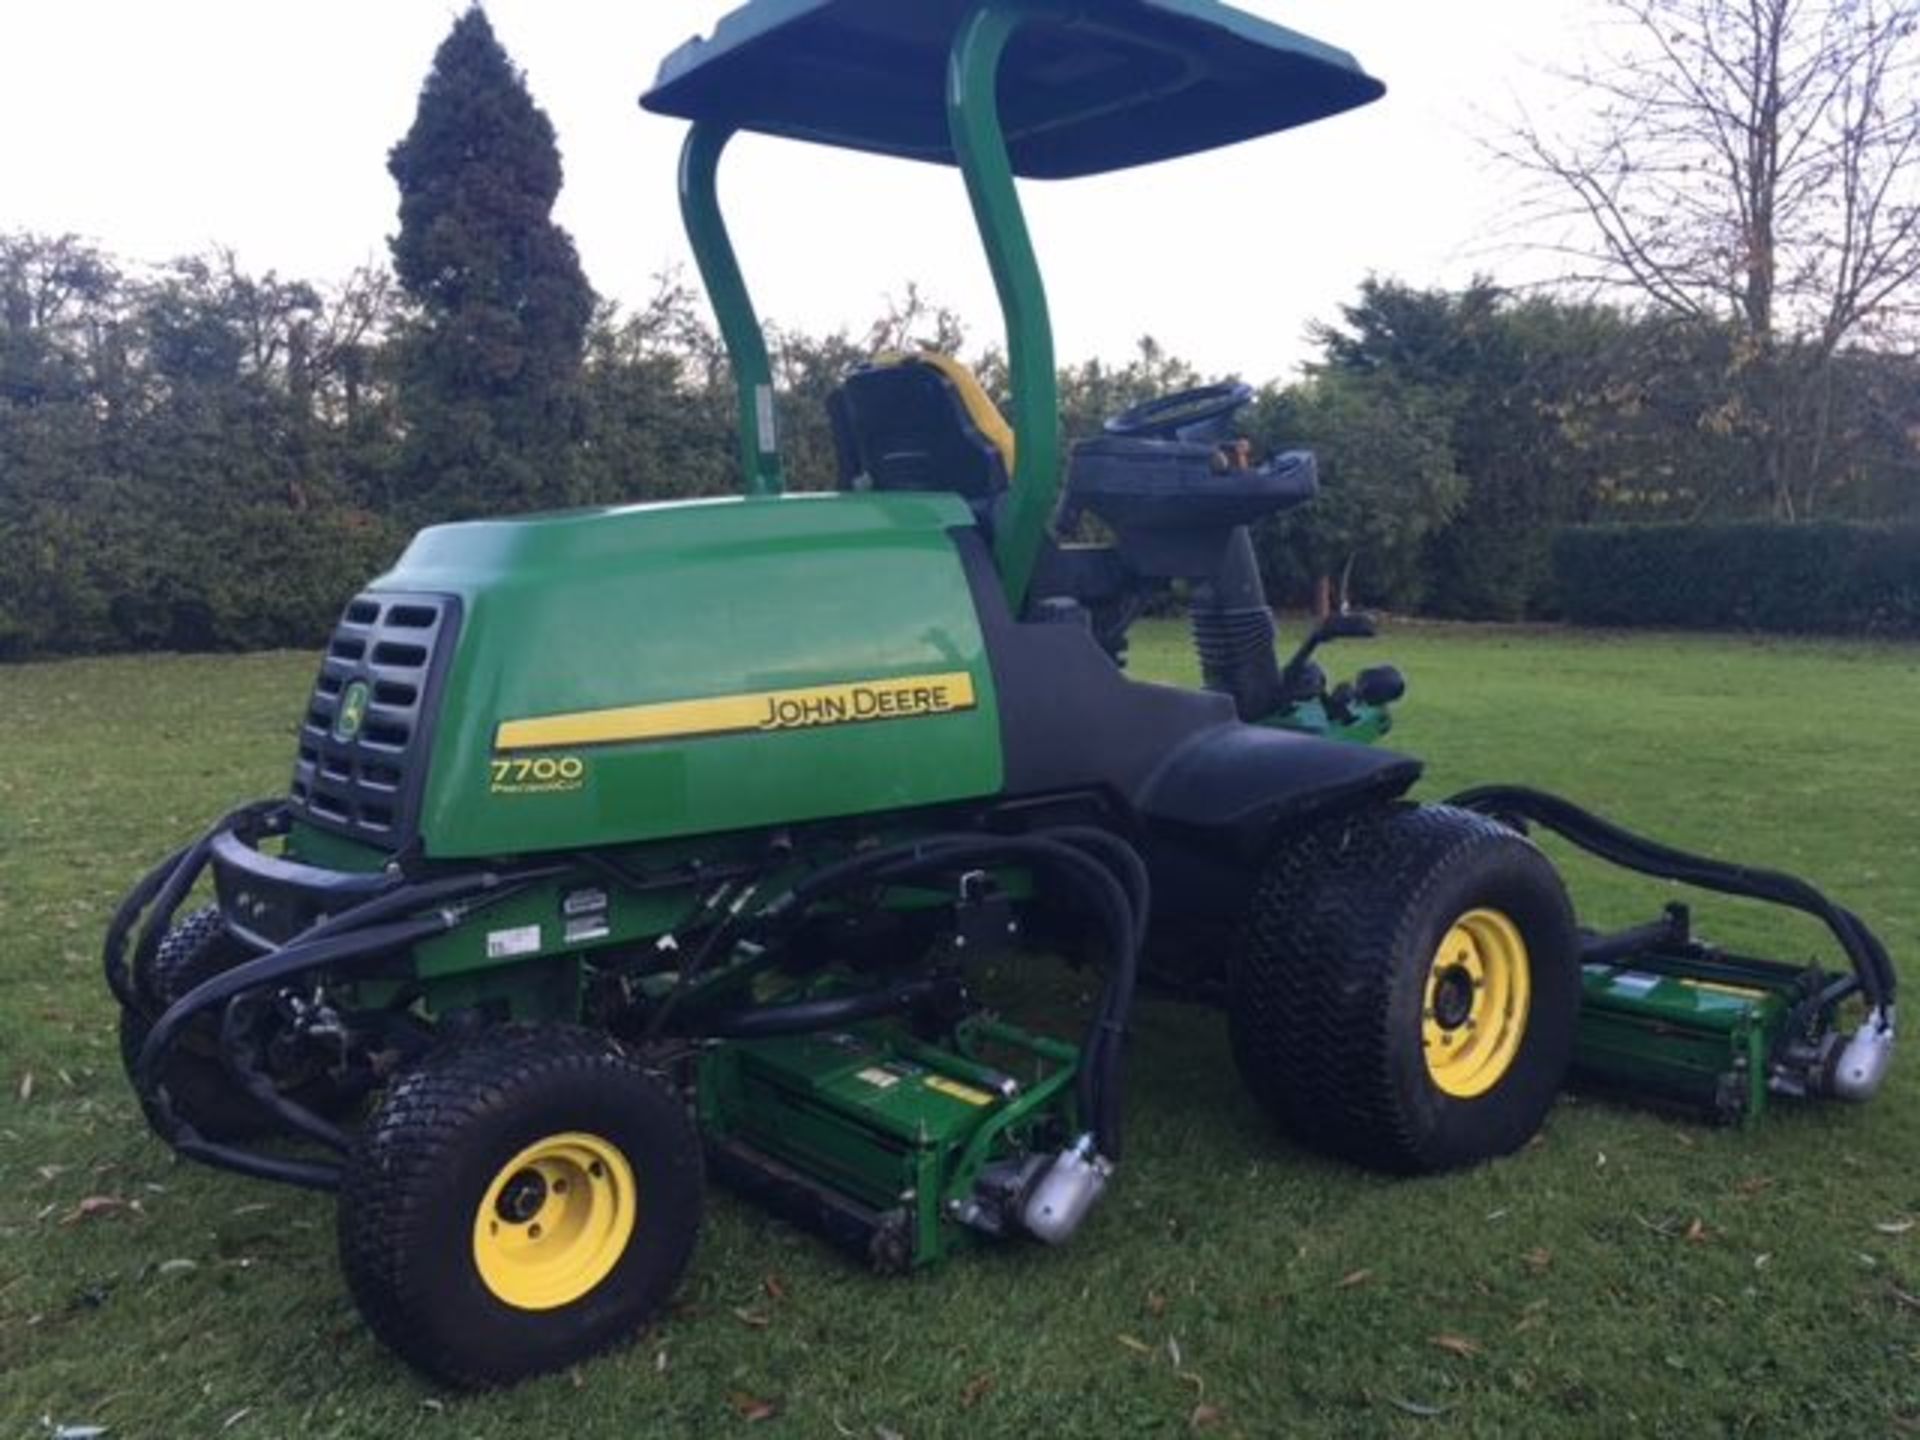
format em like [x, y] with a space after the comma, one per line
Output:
[159, 129]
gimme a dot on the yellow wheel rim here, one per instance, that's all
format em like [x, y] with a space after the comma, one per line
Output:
[1475, 1012]
[555, 1221]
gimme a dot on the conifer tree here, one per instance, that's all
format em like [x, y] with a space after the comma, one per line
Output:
[489, 371]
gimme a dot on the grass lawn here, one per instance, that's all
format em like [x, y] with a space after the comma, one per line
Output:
[1626, 1275]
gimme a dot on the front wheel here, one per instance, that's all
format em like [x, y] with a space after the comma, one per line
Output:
[1406, 989]
[198, 1086]
[519, 1201]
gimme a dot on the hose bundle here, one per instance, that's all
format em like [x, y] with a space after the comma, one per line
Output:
[1872, 967]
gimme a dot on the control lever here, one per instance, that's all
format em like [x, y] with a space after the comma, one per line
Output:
[1300, 678]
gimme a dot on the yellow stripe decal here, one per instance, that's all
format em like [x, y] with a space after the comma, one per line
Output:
[817, 705]
[958, 1091]
[1715, 987]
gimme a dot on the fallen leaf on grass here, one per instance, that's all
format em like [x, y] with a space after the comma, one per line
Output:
[1156, 1304]
[1755, 1184]
[1455, 1345]
[751, 1408]
[1696, 1232]
[752, 1319]
[91, 1206]
[1415, 1407]
[975, 1390]
[1538, 1258]
[1206, 1417]
[1353, 1278]
[1135, 1344]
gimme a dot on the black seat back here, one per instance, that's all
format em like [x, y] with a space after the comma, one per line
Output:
[904, 425]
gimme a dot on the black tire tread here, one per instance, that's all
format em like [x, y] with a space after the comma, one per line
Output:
[1309, 1017]
[385, 1214]
[201, 1091]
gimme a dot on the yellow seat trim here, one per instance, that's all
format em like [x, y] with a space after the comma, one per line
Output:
[981, 410]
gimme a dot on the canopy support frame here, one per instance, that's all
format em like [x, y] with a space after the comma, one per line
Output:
[979, 143]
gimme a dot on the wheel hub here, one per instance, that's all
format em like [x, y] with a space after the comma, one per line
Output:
[1453, 997]
[522, 1198]
[1479, 985]
[555, 1221]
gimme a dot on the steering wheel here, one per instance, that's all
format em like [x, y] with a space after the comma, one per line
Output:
[1182, 415]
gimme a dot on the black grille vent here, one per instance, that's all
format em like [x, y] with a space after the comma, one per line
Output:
[362, 775]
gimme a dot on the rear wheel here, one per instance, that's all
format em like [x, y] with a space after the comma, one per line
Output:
[519, 1201]
[1405, 992]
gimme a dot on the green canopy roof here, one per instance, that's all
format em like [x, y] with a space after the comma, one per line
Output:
[1084, 88]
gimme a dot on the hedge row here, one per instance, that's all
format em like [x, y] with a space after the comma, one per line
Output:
[1831, 577]
[92, 579]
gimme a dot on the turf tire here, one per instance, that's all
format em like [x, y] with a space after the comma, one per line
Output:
[1328, 985]
[203, 1094]
[422, 1167]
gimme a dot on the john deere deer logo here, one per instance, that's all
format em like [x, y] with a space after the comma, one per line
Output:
[353, 710]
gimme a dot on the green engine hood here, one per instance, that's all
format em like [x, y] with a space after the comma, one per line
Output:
[656, 671]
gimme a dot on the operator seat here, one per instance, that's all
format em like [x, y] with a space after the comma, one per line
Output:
[922, 422]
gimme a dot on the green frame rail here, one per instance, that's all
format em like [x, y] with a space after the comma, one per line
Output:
[973, 121]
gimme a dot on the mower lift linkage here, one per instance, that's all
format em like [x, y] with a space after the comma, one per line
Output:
[1853, 1068]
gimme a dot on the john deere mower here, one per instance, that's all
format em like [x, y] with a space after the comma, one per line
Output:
[630, 847]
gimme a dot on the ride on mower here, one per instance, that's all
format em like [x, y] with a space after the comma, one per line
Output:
[633, 846]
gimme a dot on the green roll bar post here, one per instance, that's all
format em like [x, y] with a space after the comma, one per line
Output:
[973, 121]
[732, 307]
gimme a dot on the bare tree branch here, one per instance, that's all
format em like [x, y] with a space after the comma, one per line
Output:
[1753, 163]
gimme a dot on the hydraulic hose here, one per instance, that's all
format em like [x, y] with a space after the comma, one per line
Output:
[114, 951]
[276, 967]
[755, 1022]
[1872, 966]
[162, 889]
[361, 932]
[1099, 1082]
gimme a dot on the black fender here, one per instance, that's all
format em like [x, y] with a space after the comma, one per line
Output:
[1240, 788]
